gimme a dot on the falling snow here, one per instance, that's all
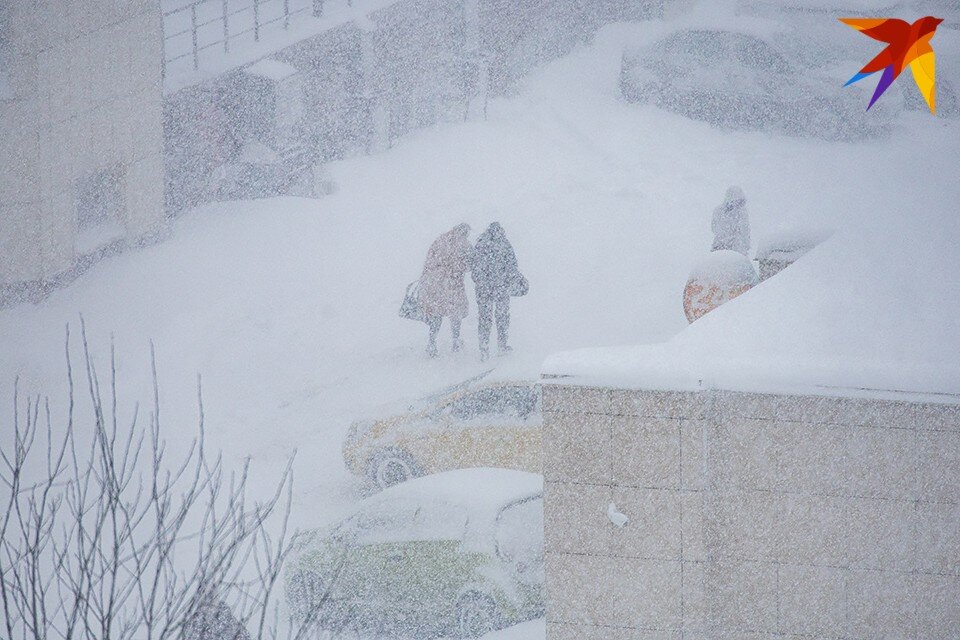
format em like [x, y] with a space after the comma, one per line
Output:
[480, 318]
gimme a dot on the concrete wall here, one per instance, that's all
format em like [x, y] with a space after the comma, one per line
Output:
[751, 516]
[86, 98]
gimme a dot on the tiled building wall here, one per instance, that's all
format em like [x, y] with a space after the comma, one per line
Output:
[85, 98]
[751, 516]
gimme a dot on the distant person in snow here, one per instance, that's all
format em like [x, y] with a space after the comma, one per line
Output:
[731, 224]
[496, 276]
[442, 289]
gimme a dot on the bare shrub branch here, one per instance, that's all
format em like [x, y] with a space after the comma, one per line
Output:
[102, 536]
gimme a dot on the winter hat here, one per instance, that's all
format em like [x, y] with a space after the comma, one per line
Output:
[734, 194]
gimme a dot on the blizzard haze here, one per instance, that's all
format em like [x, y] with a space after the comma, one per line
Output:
[287, 305]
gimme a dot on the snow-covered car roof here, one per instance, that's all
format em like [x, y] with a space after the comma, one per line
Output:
[477, 497]
[482, 491]
[485, 379]
[759, 27]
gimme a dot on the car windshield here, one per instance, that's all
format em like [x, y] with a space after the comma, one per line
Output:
[520, 532]
[433, 397]
[438, 520]
[700, 48]
[759, 56]
[515, 401]
[380, 523]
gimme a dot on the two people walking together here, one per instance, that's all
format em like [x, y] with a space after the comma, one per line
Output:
[442, 291]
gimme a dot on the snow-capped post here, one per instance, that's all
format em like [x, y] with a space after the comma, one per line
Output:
[474, 62]
[378, 138]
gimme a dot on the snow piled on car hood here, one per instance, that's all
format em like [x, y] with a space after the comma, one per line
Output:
[480, 490]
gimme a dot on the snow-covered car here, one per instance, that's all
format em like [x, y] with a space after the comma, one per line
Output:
[259, 171]
[453, 554]
[741, 81]
[485, 424]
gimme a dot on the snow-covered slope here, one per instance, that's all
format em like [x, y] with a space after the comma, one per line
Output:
[288, 307]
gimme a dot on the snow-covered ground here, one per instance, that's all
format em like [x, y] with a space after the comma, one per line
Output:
[288, 307]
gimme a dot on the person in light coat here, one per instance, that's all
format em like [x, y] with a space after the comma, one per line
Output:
[443, 292]
[731, 223]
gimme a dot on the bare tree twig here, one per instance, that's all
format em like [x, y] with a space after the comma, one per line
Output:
[102, 537]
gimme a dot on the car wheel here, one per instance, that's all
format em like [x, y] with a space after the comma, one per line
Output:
[393, 466]
[476, 615]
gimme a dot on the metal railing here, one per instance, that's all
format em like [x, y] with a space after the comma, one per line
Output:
[188, 29]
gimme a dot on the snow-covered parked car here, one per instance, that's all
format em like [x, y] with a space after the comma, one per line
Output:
[742, 81]
[453, 554]
[475, 424]
[259, 171]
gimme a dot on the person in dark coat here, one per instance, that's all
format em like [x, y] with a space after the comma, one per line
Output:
[442, 288]
[495, 273]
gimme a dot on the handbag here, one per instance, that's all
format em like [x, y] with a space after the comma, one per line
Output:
[410, 307]
[518, 285]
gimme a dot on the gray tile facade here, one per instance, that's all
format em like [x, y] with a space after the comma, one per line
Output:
[85, 99]
[751, 516]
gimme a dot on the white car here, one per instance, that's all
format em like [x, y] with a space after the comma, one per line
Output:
[738, 80]
[452, 554]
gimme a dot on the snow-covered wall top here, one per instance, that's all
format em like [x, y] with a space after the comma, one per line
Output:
[875, 307]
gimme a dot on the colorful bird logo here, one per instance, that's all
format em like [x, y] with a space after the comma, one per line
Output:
[907, 44]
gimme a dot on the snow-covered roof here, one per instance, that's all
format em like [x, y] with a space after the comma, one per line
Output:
[464, 502]
[271, 69]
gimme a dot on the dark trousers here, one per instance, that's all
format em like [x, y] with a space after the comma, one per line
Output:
[434, 323]
[490, 306]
